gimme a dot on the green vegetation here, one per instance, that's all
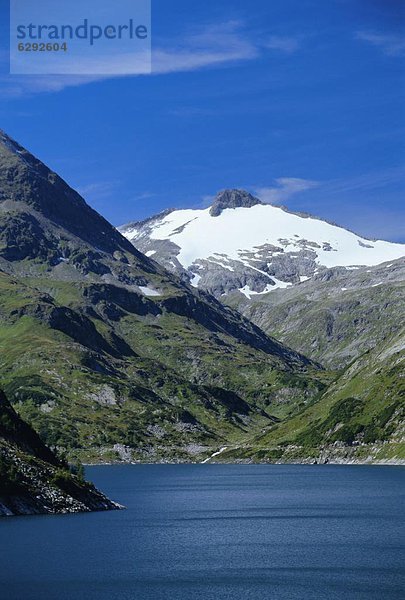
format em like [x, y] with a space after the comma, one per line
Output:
[359, 416]
[179, 384]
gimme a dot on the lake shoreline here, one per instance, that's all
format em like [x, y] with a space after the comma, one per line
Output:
[379, 463]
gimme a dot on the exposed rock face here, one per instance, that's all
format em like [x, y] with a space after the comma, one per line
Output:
[232, 199]
[33, 480]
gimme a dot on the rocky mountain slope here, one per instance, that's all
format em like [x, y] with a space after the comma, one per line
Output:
[33, 480]
[361, 417]
[241, 244]
[107, 354]
[335, 316]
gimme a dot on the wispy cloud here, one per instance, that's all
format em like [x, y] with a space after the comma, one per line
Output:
[98, 190]
[205, 201]
[145, 196]
[334, 190]
[285, 188]
[213, 46]
[365, 182]
[283, 44]
[391, 45]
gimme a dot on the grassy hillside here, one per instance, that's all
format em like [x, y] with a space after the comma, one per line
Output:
[360, 417]
[161, 385]
[107, 354]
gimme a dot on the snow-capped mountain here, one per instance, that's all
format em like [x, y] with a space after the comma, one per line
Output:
[240, 243]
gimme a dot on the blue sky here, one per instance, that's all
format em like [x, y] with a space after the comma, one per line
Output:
[298, 101]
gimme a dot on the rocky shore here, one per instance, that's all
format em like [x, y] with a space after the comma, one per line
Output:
[33, 480]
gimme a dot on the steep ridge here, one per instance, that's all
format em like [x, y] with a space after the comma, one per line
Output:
[107, 354]
[29, 189]
[240, 244]
[33, 480]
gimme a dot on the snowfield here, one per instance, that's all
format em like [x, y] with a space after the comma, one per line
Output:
[237, 230]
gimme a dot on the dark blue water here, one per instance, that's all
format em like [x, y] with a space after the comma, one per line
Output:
[217, 532]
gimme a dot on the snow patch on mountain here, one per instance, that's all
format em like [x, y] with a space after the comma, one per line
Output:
[199, 235]
[246, 291]
[148, 291]
[252, 247]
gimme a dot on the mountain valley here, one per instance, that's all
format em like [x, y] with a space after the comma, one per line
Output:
[161, 353]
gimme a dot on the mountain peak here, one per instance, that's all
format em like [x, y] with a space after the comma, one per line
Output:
[232, 199]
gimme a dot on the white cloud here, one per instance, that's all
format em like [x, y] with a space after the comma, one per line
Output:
[206, 201]
[391, 45]
[285, 188]
[192, 111]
